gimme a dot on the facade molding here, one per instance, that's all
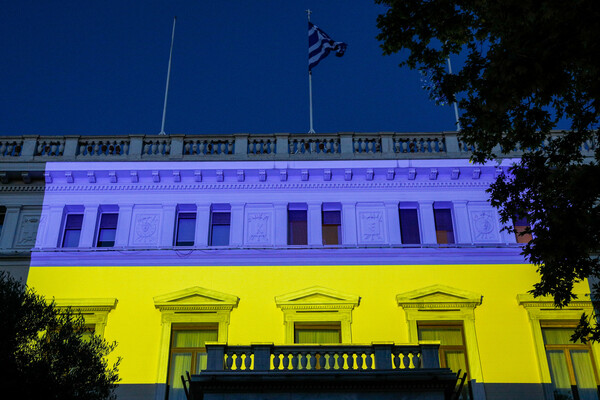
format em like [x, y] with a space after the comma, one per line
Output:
[94, 310]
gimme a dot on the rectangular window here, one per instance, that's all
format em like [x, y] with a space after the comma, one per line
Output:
[453, 352]
[107, 229]
[186, 228]
[297, 224]
[409, 223]
[317, 333]
[332, 223]
[188, 354]
[72, 230]
[521, 225]
[220, 224]
[443, 225]
[571, 366]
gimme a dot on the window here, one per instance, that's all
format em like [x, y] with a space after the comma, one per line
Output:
[453, 353]
[409, 223]
[186, 228]
[107, 229]
[317, 315]
[220, 224]
[521, 225]
[332, 223]
[2, 215]
[317, 333]
[571, 366]
[443, 224]
[297, 225]
[72, 230]
[188, 353]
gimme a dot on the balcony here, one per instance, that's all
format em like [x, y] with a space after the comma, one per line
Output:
[265, 371]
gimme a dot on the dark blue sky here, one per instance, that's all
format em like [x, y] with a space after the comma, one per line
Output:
[99, 67]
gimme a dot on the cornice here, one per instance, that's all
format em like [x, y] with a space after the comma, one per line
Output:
[11, 188]
[269, 186]
[547, 302]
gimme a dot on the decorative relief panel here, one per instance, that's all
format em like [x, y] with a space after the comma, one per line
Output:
[371, 224]
[259, 227]
[146, 229]
[27, 230]
[484, 225]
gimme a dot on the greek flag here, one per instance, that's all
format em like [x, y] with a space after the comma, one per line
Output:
[320, 44]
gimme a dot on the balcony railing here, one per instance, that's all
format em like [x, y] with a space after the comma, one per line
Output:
[321, 358]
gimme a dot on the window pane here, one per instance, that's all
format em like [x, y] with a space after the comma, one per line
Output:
[450, 336]
[331, 234]
[71, 238]
[559, 373]
[409, 226]
[180, 364]
[201, 361]
[109, 221]
[74, 221]
[443, 226]
[317, 335]
[456, 360]
[557, 335]
[220, 235]
[584, 375]
[108, 230]
[221, 218]
[194, 338]
[297, 229]
[332, 217]
[186, 229]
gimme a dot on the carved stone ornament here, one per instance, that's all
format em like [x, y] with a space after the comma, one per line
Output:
[28, 231]
[371, 226]
[259, 228]
[484, 226]
[146, 229]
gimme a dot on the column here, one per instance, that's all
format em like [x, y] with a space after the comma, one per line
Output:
[236, 228]
[202, 225]
[427, 222]
[9, 228]
[167, 234]
[393, 221]
[280, 224]
[349, 234]
[88, 226]
[314, 224]
[123, 225]
[461, 222]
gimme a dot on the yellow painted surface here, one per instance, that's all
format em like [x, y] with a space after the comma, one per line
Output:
[503, 332]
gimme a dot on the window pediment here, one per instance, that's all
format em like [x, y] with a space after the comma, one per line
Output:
[317, 297]
[197, 299]
[438, 296]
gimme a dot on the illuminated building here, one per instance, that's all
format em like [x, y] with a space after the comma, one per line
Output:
[368, 241]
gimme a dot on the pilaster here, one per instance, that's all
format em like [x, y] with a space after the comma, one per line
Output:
[315, 227]
[88, 226]
[349, 223]
[393, 221]
[427, 222]
[236, 228]
[280, 224]
[202, 224]
[9, 228]
[461, 222]
[169, 213]
[123, 225]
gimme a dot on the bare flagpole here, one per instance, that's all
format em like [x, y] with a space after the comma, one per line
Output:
[162, 128]
[455, 106]
[310, 104]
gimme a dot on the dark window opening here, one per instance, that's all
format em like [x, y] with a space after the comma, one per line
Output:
[72, 230]
[443, 225]
[107, 230]
[332, 227]
[186, 229]
[220, 224]
[409, 226]
[297, 227]
[521, 225]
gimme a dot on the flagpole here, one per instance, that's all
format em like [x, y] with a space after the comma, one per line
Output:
[455, 106]
[310, 102]
[162, 128]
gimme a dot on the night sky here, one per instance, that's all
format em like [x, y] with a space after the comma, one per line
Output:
[99, 67]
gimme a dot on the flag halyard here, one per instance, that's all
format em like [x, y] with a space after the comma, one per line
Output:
[320, 45]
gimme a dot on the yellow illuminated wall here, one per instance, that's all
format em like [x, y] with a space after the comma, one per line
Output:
[504, 334]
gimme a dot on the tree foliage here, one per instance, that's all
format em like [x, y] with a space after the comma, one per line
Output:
[44, 352]
[528, 67]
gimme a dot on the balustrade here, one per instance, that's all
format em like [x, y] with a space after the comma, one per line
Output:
[324, 358]
[102, 147]
[10, 148]
[208, 146]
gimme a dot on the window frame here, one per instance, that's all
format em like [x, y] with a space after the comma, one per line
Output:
[296, 207]
[181, 211]
[193, 305]
[2, 218]
[331, 207]
[106, 210]
[542, 310]
[410, 206]
[218, 209]
[444, 347]
[70, 211]
[317, 326]
[444, 205]
[445, 305]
